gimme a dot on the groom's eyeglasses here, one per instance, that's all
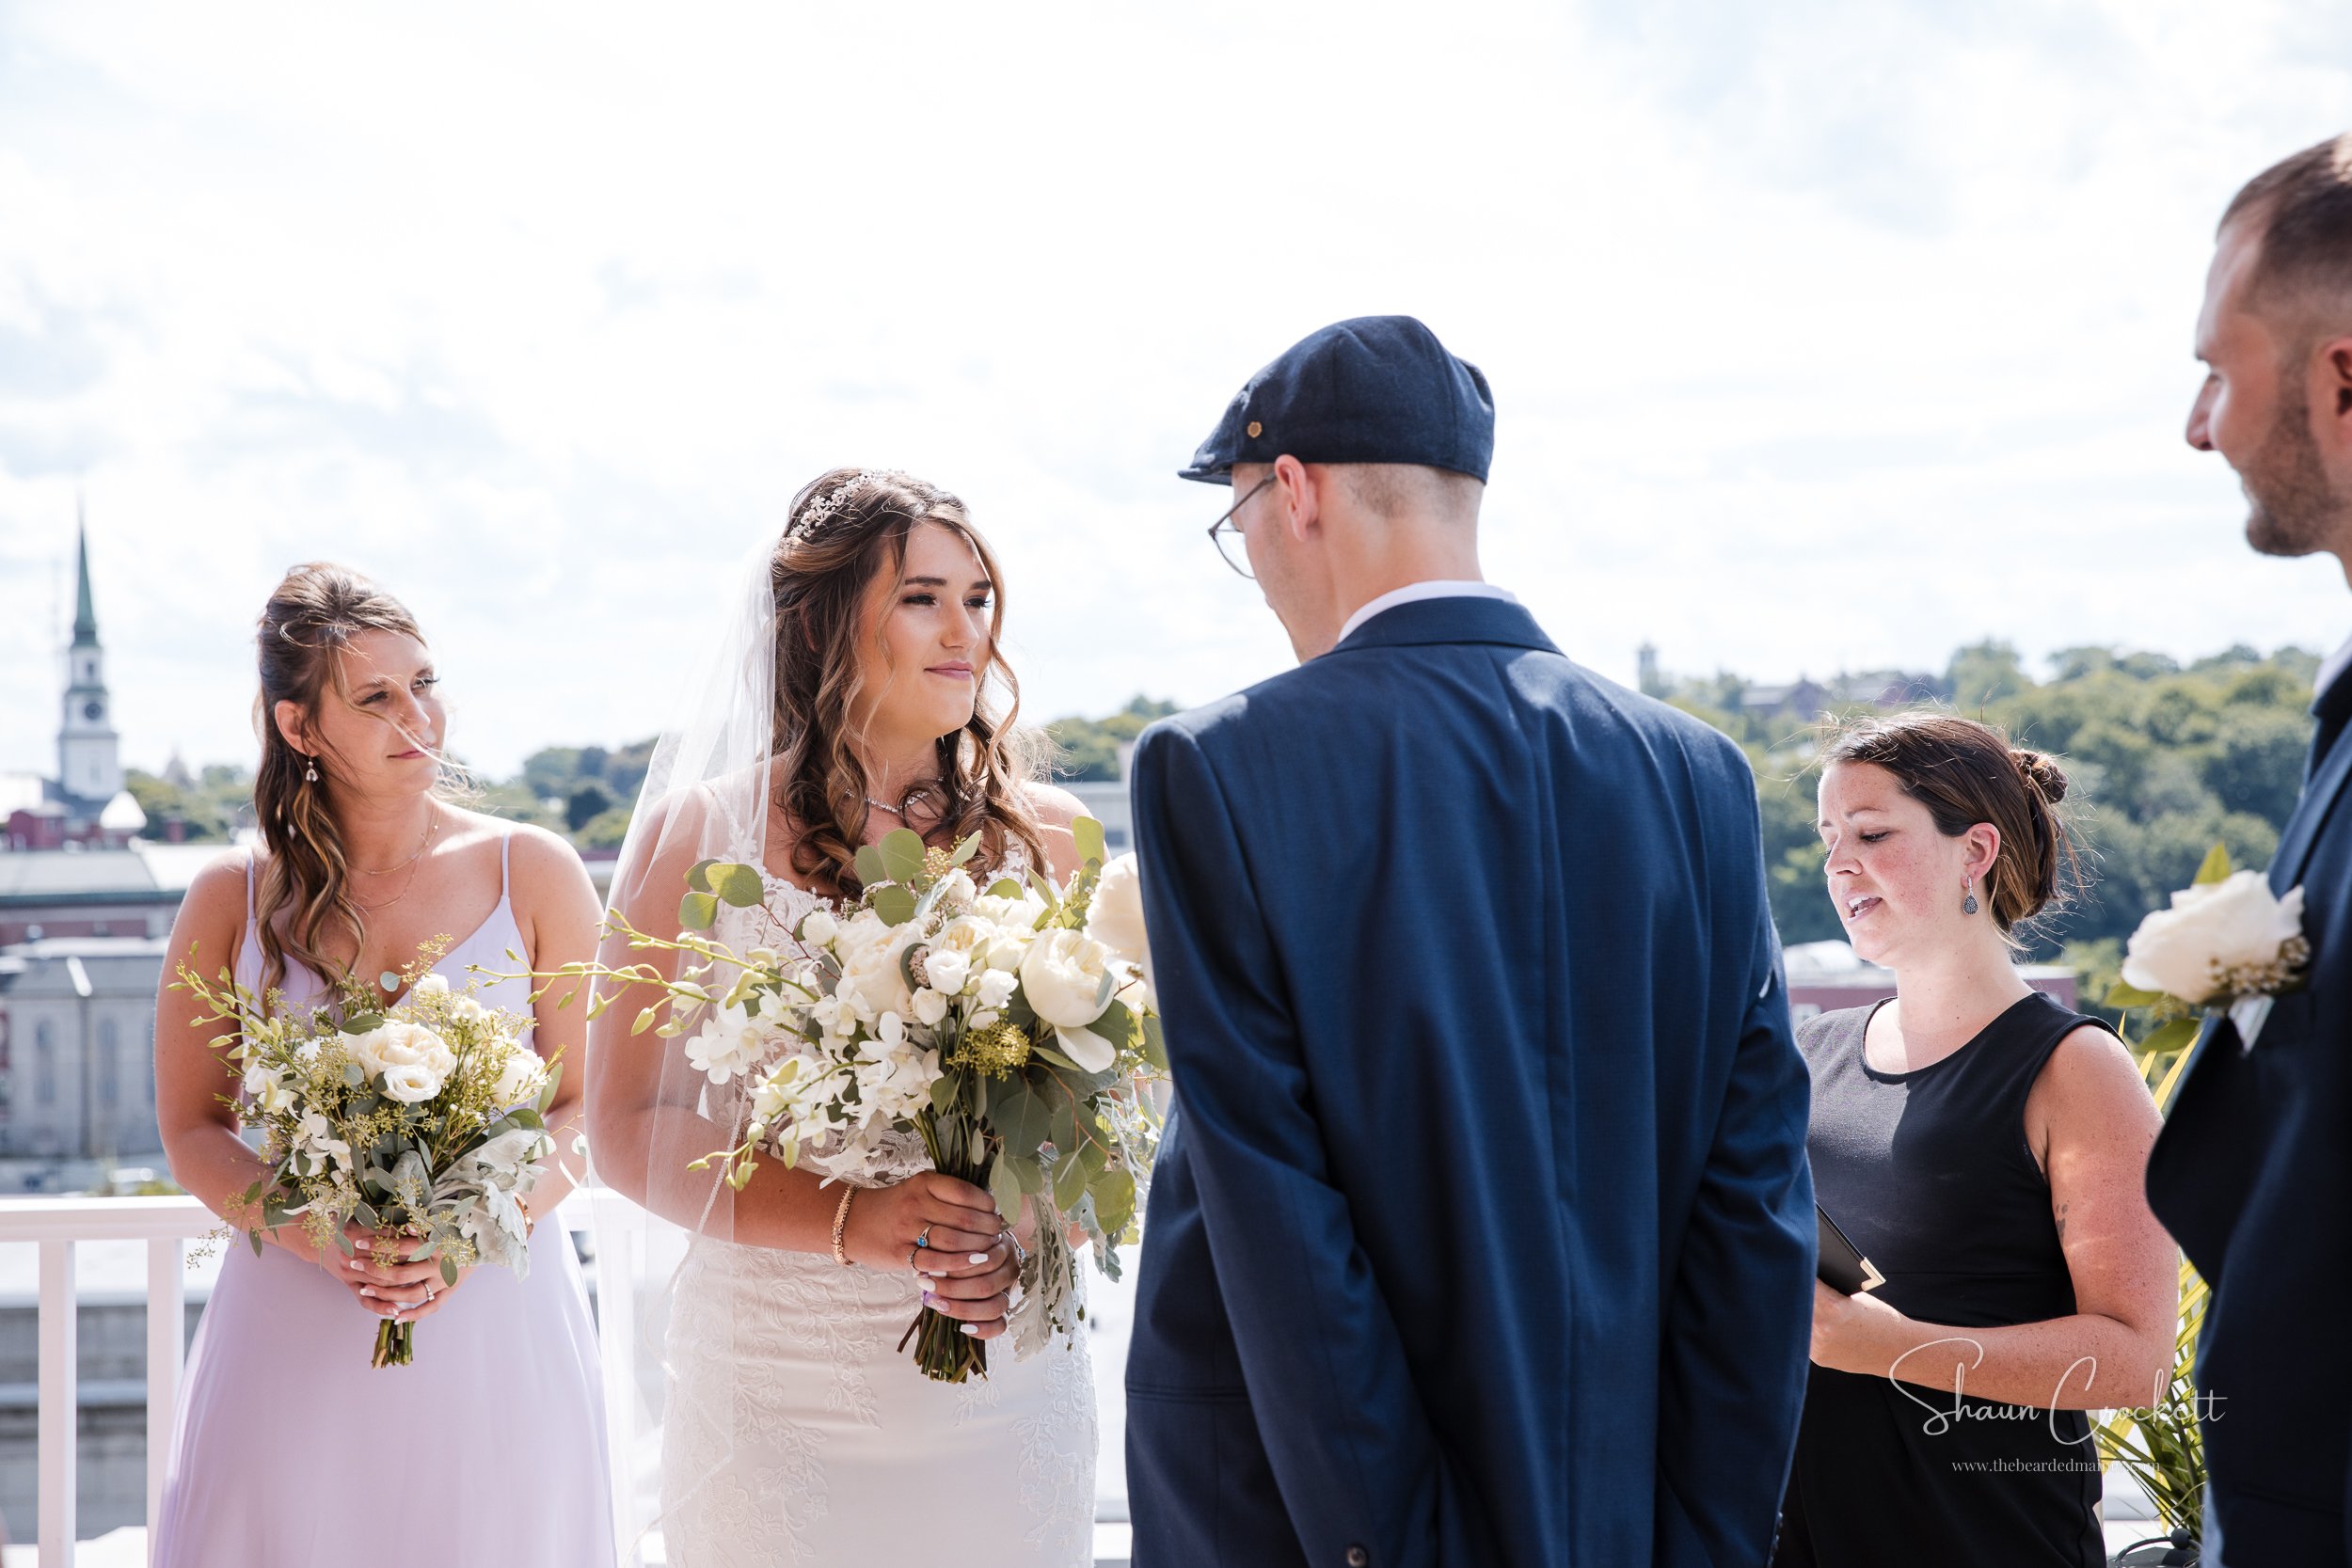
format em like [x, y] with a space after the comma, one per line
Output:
[1226, 534]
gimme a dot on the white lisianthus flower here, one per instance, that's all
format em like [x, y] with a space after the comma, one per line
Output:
[1115, 916]
[930, 1008]
[727, 1043]
[947, 973]
[998, 985]
[2225, 939]
[819, 927]
[411, 1083]
[1022, 912]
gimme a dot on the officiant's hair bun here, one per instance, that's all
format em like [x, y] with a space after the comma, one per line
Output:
[1966, 772]
[2041, 773]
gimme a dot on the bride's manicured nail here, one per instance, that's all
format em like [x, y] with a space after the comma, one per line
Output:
[929, 1300]
[969, 1328]
[979, 1257]
[367, 1290]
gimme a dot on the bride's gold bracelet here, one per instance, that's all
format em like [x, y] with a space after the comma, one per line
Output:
[841, 1223]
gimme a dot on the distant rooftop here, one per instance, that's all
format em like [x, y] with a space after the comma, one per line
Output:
[161, 869]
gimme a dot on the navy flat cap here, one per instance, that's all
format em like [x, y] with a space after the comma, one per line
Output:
[1375, 390]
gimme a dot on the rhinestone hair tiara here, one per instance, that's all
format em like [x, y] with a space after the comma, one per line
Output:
[829, 505]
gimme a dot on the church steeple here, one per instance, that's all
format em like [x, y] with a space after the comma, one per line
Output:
[90, 762]
[85, 613]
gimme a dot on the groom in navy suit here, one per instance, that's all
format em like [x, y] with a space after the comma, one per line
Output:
[2253, 1173]
[1482, 1234]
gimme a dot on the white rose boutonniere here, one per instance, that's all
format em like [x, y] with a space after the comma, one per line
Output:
[2227, 943]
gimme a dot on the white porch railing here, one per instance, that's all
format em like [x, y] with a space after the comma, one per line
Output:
[58, 1225]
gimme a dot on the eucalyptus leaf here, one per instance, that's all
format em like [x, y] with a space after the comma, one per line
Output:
[697, 911]
[1089, 832]
[902, 852]
[893, 904]
[2121, 995]
[361, 1023]
[1004, 887]
[1070, 1182]
[1005, 1187]
[1031, 1173]
[739, 885]
[964, 851]
[448, 1272]
[698, 875]
[2181, 1032]
[870, 868]
[389, 980]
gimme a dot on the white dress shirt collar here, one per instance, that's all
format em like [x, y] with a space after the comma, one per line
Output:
[2329, 668]
[1413, 592]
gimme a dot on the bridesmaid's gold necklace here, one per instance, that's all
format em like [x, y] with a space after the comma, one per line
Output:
[432, 829]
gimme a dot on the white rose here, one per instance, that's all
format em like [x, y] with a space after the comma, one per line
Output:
[998, 985]
[819, 927]
[411, 1083]
[930, 1008]
[520, 1079]
[1067, 978]
[399, 1043]
[947, 973]
[1115, 916]
[956, 891]
[2189, 950]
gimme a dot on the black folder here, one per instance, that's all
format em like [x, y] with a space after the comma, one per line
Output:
[1842, 1267]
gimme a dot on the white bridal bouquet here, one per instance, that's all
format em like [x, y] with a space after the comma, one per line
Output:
[1011, 1026]
[2227, 943]
[422, 1122]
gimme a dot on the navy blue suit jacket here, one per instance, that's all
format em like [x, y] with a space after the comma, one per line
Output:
[1482, 1234]
[2253, 1177]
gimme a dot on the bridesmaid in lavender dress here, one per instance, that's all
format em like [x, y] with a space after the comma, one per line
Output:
[291, 1449]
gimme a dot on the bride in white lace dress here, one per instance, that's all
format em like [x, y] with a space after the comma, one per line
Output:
[856, 685]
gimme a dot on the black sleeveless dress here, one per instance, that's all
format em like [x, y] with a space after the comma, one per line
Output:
[1929, 1173]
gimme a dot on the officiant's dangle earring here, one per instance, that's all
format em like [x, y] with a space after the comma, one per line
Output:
[1968, 902]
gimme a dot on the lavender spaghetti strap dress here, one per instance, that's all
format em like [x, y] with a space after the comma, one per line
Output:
[291, 1452]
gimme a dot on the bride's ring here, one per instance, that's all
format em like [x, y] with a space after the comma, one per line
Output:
[923, 1237]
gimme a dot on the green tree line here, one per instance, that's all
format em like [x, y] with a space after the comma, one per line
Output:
[2163, 761]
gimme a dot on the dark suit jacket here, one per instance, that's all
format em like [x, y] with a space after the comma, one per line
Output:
[2253, 1177]
[1483, 1234]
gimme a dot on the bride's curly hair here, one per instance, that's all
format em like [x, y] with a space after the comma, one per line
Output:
[847, 528]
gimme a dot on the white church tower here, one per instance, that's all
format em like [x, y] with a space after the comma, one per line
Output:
[89, 764]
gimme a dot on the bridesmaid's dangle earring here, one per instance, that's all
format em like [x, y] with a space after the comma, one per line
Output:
[1968, 903]
[310, 775]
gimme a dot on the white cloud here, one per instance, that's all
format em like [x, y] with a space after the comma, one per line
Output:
[1822, 336]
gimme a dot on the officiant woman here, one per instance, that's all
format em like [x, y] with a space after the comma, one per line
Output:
[1983, 1145]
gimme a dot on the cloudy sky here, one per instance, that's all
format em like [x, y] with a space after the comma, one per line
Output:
[1822, 336]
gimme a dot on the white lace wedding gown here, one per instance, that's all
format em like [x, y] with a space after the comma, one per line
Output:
[797, 1432]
